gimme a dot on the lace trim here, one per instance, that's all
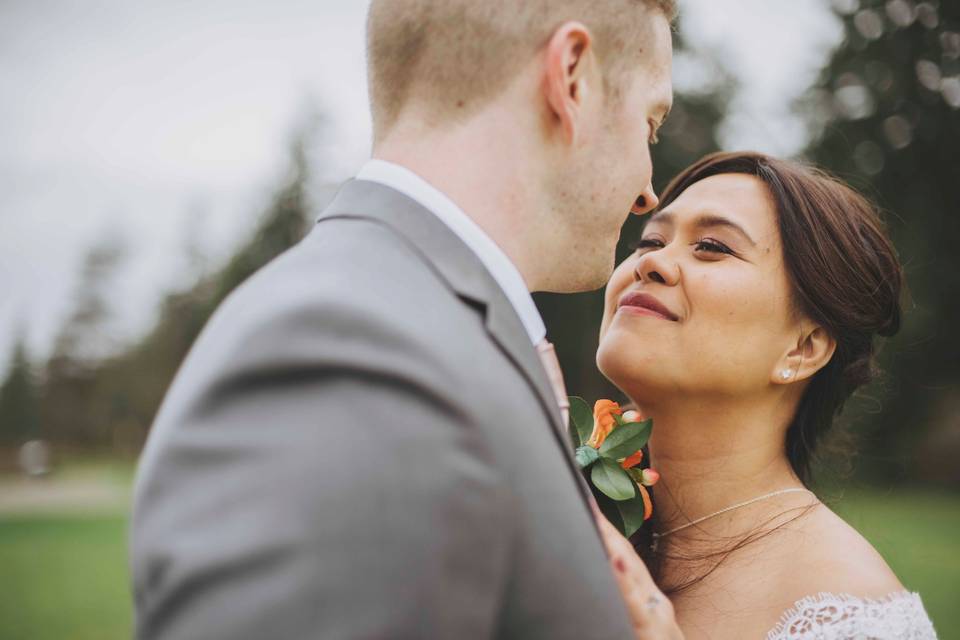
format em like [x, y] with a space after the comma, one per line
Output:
[829, 616]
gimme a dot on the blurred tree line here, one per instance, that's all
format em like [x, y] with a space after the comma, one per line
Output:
[885, 116]
[86, 401]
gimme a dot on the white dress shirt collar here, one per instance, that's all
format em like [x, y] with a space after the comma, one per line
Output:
[493, 258]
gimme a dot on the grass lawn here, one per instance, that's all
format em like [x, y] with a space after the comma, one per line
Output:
[919, 536]
[65, 576]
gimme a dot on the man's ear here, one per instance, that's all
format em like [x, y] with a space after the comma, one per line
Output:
[812, 352]
[569, 62]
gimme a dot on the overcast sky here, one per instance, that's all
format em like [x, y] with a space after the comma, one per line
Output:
[157, 121]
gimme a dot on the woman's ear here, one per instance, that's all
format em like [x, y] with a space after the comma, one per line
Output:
[569, 63]
[812, 352]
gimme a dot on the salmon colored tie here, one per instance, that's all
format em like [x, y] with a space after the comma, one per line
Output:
[548, 356]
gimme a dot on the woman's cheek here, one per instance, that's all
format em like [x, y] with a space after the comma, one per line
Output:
[725, 301]
[621, 279]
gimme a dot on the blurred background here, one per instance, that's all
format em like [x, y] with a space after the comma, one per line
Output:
[156, 154]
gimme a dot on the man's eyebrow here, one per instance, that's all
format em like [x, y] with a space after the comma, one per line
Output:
[704, 221]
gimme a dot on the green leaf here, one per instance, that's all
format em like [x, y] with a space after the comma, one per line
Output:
[612, 480]
[631, 511]
[609, 509]
[581, 419]
[626, 440]
[586, 456]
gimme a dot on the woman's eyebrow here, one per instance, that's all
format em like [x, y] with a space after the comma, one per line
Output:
[703, 221]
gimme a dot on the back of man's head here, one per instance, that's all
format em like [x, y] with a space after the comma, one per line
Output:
[448, 58]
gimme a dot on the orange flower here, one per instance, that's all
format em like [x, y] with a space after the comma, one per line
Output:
[647, 504]
[633, 460]
[603, 421]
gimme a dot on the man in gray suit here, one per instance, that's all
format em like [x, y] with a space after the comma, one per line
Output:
[364, 443]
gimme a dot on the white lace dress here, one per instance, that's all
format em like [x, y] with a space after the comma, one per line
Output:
[828, 616]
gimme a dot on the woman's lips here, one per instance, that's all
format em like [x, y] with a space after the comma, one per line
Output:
[646, 304]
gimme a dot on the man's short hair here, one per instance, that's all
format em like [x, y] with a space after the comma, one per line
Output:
[449, 57]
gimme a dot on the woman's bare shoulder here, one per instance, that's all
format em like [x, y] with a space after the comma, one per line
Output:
[805, 556]
[823, 553]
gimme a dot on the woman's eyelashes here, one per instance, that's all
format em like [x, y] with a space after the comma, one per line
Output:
[713, 246]
[646, 243]
[707, 245]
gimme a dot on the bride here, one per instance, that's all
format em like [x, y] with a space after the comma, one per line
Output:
[745, 319]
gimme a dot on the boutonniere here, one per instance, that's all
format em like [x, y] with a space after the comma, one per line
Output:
[609, 451]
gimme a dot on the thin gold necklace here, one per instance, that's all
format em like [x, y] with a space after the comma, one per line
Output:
[657, 536]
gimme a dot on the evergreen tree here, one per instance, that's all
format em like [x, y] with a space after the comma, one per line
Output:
[70, 409]
[84, 338]
[142, 375]
[19, 405]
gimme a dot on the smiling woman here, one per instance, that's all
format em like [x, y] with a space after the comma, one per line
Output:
[766, 243]
[744, 320]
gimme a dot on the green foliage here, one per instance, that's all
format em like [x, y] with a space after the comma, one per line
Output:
[626, 440]
[107, 400]
[145, 372]
[586, 456]
[615, 488]
[631, 513]
[19, 402]
[888, 112]
[281, 228]
[581, 421]
[610, 478]
[74, 404]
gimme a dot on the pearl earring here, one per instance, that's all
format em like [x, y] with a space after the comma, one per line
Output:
[785, 374]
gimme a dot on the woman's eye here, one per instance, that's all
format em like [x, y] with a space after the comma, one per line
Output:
[646, 243]
[712, 246]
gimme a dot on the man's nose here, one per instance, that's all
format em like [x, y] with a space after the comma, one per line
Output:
[646, 203]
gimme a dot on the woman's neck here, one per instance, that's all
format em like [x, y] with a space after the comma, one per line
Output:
[715, 453]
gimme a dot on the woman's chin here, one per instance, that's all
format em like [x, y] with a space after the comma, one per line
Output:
[635, 376]
[620, 350]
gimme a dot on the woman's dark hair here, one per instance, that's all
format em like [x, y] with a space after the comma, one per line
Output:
[844, 272]
[845, 276]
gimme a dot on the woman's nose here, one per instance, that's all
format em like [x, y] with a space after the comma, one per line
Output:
[656, 266]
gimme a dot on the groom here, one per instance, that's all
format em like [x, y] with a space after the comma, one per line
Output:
[364, 441]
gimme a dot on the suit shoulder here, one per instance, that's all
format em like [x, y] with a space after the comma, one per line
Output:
[339, 260]
[352, 293]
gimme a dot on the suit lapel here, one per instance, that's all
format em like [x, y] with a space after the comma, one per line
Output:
[466, 275]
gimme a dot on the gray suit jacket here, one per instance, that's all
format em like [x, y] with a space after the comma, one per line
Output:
[363, 444]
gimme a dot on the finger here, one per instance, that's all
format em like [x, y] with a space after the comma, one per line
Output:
[624, 558]
[651, 613]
